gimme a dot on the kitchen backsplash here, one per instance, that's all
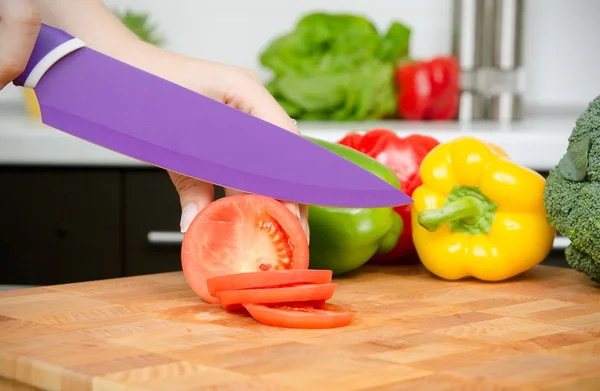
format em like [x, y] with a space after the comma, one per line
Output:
[560, 55]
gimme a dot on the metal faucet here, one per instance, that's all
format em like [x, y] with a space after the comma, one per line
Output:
[488, 43]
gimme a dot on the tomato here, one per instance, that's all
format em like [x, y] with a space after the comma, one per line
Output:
[301, 315]
[267, 279]
[239, 234]
[304, 292]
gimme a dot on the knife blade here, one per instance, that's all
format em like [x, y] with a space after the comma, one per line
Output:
[112, 104]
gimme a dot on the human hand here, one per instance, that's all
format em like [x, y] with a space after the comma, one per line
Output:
[241, 89]
[19, 26]
[236, 87]
[100, 29]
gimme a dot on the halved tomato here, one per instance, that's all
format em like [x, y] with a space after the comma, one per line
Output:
[239, 234]
[301, 315]
[269, 279]
[304, 292]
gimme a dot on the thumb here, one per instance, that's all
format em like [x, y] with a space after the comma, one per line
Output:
[194, 195]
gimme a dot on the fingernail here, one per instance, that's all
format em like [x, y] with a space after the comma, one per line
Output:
[190, 210]
[304, 226]
[307, 230]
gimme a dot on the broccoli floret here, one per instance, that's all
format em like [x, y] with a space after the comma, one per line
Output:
[572, 194]
[585, 136]
[574, 209]
[582, 263]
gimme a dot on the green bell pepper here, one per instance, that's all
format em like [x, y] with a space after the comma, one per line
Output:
[342, 239]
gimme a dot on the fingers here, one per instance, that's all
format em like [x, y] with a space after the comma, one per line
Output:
[249, 95]
[19, 26]
[229, 192]
[304, 220]
[244, 91]
[302, 212]
[194, 196]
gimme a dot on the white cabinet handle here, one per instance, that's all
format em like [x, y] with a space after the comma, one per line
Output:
[173, 237]
[164, 237]
[560, 243]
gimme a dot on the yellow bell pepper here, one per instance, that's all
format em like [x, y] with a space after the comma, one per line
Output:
[478, 214]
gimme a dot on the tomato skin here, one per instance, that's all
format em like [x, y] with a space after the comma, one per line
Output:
[267, 279]
[303, 292]
[301, 315]
[239, 234]
[249, 251]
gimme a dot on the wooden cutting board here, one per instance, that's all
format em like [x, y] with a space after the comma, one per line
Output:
[540, 331]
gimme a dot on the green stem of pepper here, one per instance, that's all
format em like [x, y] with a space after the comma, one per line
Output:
[466, 208]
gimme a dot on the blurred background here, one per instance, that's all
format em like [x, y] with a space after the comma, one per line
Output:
[559, 58]
[522, 71]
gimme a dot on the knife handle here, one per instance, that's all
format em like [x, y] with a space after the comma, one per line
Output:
[51, 45]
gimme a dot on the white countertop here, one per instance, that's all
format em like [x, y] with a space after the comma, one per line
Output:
[537, 142]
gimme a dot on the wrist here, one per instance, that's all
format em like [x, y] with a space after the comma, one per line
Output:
[89, 20]
[100, 29]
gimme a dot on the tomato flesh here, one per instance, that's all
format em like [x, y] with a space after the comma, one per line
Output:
[269, 279]
[303, 292]
[240, 234]
[301, 315]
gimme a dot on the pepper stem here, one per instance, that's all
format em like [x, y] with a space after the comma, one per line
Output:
[466, 208]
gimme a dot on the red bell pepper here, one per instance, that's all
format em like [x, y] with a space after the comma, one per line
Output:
[404, 156]
[428, 90]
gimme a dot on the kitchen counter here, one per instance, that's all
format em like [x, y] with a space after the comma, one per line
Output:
[412, 331]
[135, 208]
[537, 142]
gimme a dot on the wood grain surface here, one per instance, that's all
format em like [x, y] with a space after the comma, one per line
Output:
[540, 331]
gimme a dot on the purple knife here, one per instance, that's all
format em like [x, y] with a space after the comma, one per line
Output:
[119, 107]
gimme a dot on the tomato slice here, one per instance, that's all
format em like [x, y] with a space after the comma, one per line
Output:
[301, 315]
[305, 292]
[239, 234]
[268, 279]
